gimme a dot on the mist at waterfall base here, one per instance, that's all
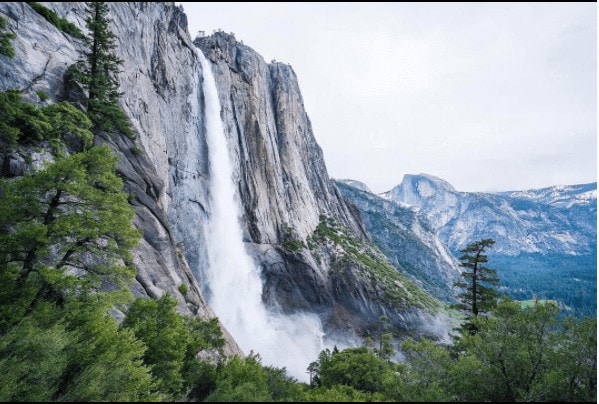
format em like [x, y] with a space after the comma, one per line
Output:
[232, 278]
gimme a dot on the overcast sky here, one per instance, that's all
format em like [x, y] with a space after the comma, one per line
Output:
[487, 96]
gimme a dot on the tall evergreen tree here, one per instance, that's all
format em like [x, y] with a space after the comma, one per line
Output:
[98, 71]
[479, 295]
[65, 241]
[64, 229]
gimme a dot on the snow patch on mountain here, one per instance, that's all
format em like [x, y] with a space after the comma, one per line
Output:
[564, 196]
[356, 184]
[559, 219]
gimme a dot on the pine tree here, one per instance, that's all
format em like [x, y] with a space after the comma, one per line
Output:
[479, 295]
[66, 228]
[98, 72]
[163, 330]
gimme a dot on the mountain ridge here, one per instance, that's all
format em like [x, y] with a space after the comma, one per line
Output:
[541, 235]
[517, 222]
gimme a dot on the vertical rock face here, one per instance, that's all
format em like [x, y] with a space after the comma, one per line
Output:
[159, 82]
[283, 181]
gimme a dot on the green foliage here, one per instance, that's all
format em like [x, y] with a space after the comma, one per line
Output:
[339, 393]
[60, 23]
[528, 355]
[68, 124]
[358, 368]
[246, 379]
[73, 353]
[428, 371]
[573, 376]
[43, 95]
[294, 245]
[136, 150]
[33, 359]
[25, 123]
[22, 122]
[183, 289]
[241, 380]
[281, 386]
[290, 240]
[386, 350]
[72, 214]
[6, 47]
[105, 363]
[375, 268]
[65, 238]
[571, 280]
[518, 354]
[98, 70]
[164, 332]
[204, 334]
[173, 342]
[200, 376]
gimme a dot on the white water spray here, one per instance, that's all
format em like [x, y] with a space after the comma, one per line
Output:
[232, 277]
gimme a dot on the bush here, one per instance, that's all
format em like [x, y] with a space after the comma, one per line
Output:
[43, 95]
[172, 342]
[25, 123]
[294, 245]
[136, 150]
[6, 48]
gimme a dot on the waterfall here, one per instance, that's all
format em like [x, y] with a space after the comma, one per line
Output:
[231, 277]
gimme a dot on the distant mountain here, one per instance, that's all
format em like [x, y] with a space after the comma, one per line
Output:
[563, 196]
[407, 239]
[550, 220]
[356, 184]
[546, 239]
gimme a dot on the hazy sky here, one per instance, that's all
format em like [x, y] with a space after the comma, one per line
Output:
[487, 96]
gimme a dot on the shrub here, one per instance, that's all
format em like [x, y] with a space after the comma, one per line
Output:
[60, 23]
[43, 95]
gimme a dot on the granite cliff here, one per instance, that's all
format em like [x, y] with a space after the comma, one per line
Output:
[559, 219]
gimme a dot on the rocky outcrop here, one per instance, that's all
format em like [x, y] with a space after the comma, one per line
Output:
[283, 180]
[545, 239]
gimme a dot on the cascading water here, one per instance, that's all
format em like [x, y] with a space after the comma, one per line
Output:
[232, 278]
